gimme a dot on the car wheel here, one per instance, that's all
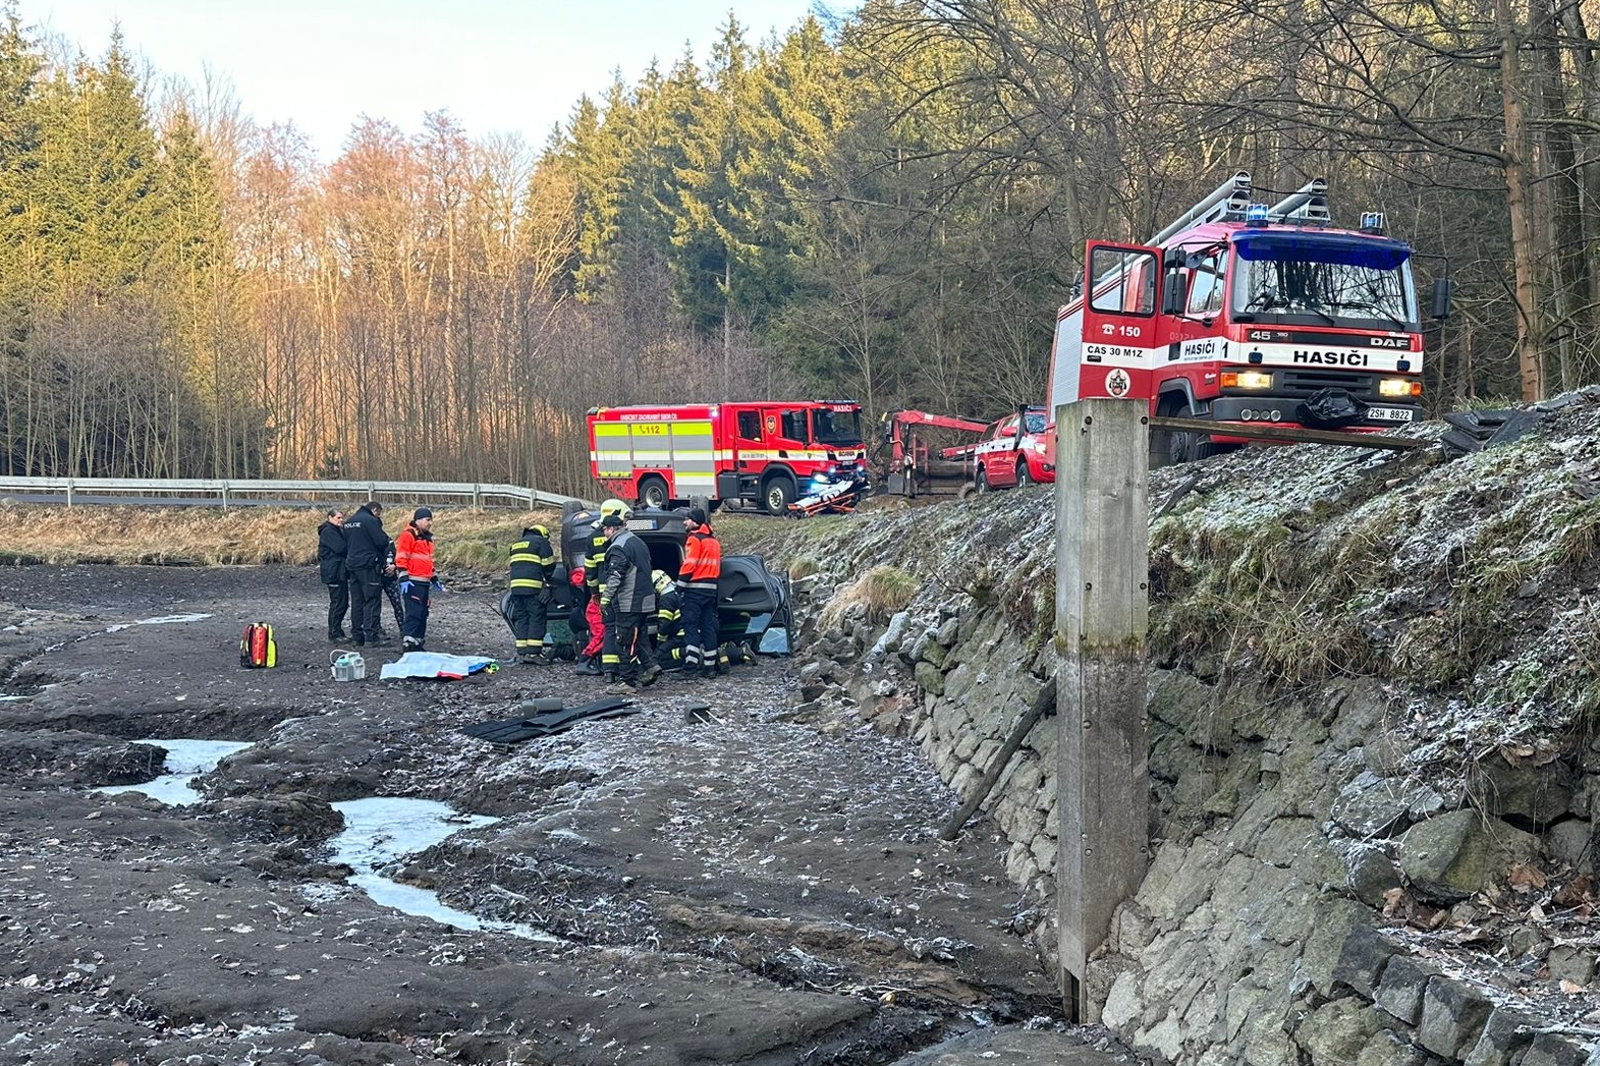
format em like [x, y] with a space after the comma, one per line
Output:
[1023, 478]
[983, 481]
[653, 492]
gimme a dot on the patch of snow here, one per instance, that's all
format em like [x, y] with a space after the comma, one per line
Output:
[186, 760]
[159, 620]
[382, 830]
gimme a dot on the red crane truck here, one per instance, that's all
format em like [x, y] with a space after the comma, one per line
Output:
[1239, 312]
[771, 453]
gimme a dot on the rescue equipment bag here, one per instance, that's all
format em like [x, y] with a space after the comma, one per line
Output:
[257, 648]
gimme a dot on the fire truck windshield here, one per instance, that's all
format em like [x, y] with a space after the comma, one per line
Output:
[1033, 422]
[837, 427]
[1331, 278]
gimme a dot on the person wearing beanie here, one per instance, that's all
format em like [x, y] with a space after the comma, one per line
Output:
[627, 599]
[697, 584]
[413, 561]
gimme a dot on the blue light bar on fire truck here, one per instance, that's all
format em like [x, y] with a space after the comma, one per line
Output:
[1256, 215]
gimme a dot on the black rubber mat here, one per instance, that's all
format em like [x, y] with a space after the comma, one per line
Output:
[548, 723]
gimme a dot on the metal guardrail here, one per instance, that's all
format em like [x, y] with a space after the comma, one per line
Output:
[156, 491]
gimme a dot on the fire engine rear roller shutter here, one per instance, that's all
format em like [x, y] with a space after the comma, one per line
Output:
[613, 449]
[694, 464]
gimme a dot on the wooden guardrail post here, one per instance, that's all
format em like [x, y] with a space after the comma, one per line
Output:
[1102, 575]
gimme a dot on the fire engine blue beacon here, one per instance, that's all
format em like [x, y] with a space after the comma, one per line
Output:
[1256, 215]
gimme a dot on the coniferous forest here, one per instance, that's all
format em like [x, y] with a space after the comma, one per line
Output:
[888, 205]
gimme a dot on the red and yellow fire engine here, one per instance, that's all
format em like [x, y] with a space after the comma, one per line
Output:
[772, 453]
[1239, 312]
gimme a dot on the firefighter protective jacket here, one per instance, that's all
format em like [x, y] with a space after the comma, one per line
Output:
[413, 553]
[669, 605]
[594, 563]
[330, 553]
[533, 561]
[702, 561]
[365, 543]
[627, 583]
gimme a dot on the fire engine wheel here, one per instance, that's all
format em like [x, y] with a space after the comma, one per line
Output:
[1023, 478]
[778, 495]
[653, 492]
[983, 481]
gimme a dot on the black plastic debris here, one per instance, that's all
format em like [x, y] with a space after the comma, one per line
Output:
[1331, 408]
[548, 721]
[698, 714]
[1473, 431]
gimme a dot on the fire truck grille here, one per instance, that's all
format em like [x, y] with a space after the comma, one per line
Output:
[1306, 382]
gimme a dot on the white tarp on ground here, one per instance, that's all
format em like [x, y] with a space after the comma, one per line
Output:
[434, 664]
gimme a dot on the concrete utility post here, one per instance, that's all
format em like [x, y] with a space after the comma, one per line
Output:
[1102, 599]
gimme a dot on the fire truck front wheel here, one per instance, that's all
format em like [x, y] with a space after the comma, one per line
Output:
[653, 492]
[777, 494]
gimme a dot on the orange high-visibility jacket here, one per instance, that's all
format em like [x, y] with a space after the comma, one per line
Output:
[702, 561]
[413, 553]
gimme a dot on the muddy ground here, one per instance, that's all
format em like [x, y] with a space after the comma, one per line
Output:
[747, 890]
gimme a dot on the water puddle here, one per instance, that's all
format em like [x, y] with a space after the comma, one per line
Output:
[186, 760]
[159, 620]
[383, 830]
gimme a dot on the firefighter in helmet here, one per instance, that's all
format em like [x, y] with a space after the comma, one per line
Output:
[533, 566]
[669, 621]
[592, 657]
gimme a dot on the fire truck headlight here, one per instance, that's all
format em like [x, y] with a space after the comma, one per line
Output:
[1247, 379]
[1399, 387]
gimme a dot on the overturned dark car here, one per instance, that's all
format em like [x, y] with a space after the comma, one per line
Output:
[753, 602]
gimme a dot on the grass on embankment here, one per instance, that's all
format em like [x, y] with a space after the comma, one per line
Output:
[242, 536]
[465, 539]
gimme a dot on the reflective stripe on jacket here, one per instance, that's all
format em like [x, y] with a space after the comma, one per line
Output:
[669, 606]
[413, 552]
[702, 561]
[627, 584]
[594, 563]
[533, 561]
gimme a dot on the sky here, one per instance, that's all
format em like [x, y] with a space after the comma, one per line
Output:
[496, 65]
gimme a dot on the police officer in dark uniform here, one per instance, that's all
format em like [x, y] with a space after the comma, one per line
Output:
[330, 563]
[368, 555]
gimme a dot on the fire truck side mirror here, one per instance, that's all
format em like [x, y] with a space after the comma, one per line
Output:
[1175, 294]
[1441, 297]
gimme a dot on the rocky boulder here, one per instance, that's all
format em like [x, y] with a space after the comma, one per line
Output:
[1457, 854]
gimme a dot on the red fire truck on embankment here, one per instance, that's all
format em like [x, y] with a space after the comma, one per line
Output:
[1240, 313]
[770, 453]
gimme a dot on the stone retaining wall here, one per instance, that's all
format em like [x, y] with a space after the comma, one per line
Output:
[1283, 829]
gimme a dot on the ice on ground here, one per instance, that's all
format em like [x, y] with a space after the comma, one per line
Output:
[186, 759]
[382, 830]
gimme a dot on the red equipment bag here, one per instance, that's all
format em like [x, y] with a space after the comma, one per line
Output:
[257, 648]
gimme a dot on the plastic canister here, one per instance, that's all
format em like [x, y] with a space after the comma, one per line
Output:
[348, 666]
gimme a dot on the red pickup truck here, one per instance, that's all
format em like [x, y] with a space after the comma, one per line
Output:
[1017, 451]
